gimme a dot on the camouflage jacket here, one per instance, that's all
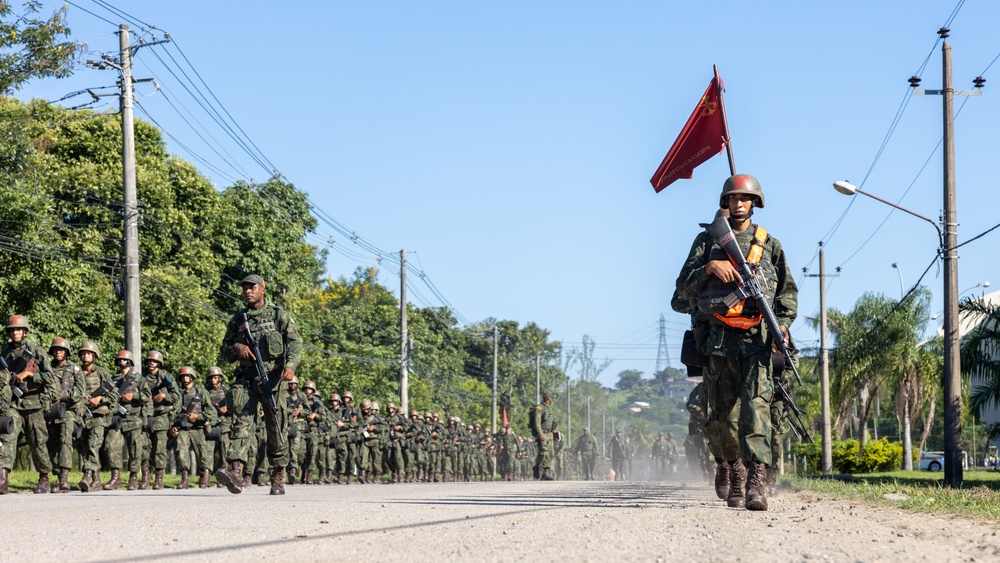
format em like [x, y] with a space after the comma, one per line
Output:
[276, 335]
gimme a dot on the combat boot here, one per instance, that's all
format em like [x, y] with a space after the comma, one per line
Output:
[721, 479]
[756, 487]
[547, 475]
[144, 482]
[63, 481]
[88, 476]
[230, 478]
[737, 484]
[3, 480]
[377, 479]
[205, 479]
[133, 482]
[158, 483]
[340, 479]
[247, 481]
[43, 484]
[772, 482]
[95, 484]
[291, 475]
[308, 478]
[184, 480]
[277, 481]
[116, 481]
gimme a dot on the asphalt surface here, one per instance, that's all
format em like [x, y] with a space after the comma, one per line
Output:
[520, 521]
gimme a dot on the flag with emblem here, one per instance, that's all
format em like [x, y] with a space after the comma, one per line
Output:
[704, 136]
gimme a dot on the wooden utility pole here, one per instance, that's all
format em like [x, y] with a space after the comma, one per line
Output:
[404, 340]
[824, 360]
[538, 378]
[133, 333]
[493, 410]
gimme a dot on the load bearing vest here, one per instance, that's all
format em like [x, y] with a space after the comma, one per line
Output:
[734, 316]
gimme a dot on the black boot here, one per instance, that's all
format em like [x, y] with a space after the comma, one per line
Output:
[43, 484]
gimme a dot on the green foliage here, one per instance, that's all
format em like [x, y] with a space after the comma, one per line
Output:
[31, 47]
[877, 455]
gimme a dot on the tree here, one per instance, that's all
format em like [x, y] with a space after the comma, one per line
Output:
[980, 352]
[31, 47]
[627, 379]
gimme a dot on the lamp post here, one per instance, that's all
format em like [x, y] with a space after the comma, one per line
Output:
[952, 367]
[900, 272]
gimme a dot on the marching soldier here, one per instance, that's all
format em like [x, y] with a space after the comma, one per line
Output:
[297, 429]
[278, 341]
[101, 397]
[218, 390]
[34, 388]
[62, 428]
[194, 419]
[543, 425]
[133, 405]
[164, 396]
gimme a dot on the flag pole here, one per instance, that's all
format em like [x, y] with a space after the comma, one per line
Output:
[725, 121]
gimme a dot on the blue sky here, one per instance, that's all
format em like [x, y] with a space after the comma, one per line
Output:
[508, 146]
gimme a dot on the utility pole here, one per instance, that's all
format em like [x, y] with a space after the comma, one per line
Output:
[493, 410]
[569, 405]
[538, 379]
[133, 334]
[404, 340]
[949, 253]
[824, 360]
[130, 199]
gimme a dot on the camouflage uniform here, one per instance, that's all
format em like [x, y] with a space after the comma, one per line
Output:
[101, 397]
[62, 429]
[586, 448]
[218, 393]
[543, 426]
[191, 435]
[278, 341]
[397, 443]
[159, 417]
[126, 435]
[297, 429]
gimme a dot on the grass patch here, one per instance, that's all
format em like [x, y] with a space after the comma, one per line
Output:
[25, 481]
[912, 490]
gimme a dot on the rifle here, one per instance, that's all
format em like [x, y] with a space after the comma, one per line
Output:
[159, 409]
[258, 363]
[193, 406]
[364, 429]
[723, 234]
[15, 366]
[791, 409]
[104, 389]
[125, 385]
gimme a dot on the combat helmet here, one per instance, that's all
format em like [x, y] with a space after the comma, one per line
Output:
[125, 355]
[348, 395]
[309, 385]
[742, 184]
[294, 379]
[18, 321]
[214, 370]
[366, 404]
[335, 397]
[375, 406]
[90, 346]
[153, 356]
[59, 342]
[187, 370]
[413, 412]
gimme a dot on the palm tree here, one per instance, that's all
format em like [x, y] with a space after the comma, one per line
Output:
[980, 352]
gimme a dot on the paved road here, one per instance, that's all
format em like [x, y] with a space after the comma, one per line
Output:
[527, 521]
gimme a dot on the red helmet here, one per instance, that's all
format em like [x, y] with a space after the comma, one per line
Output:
[60, 342]
[18, 321]
[125, 355]
[188, 370]
[154, 356]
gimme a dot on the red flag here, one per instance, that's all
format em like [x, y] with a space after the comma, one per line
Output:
[505, 423]
[702, 138]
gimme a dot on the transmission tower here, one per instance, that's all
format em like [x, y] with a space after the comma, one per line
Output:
[662, 354]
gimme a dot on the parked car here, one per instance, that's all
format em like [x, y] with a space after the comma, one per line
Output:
[931, 461]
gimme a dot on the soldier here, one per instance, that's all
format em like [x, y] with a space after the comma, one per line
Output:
[397, 443]
[62, 428]
[543, 424]
[100, 396]
[165, 395]
[619, 456]
[315, 441]
[34, 388]
[346, 423]
[194, 419]
[559, 447]
[437, 446]
[586, 448]
[371, 457]
[737, 343]
[278, 341]
[218, 390]
[695, 445]
[133, 404]
[297, 429]
[416, 458]
[660, 456]
[503, 453]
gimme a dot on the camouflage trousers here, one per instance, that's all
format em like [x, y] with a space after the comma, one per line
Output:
[124, 446]
[588, 461]
[219, 450]
[740, 385]
[193, 440]
[315, 448]
[345, 465]
[546, 452]
[32, 422]
[244, 399]
[297, 446]
[779, 427]
[92, 440]
[60, 444]
[394, 457]
[371, 456]
[154, 442]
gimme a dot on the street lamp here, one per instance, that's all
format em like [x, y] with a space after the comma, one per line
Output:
[952, 367]
[900, 272]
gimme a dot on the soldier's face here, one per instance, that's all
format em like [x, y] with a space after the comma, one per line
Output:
[253, 293]
[187, 380]
[309, 392]
[215, 380]
[59, 354]
[87, 357]
[153, 366]
[740, 205]
[16, 334]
